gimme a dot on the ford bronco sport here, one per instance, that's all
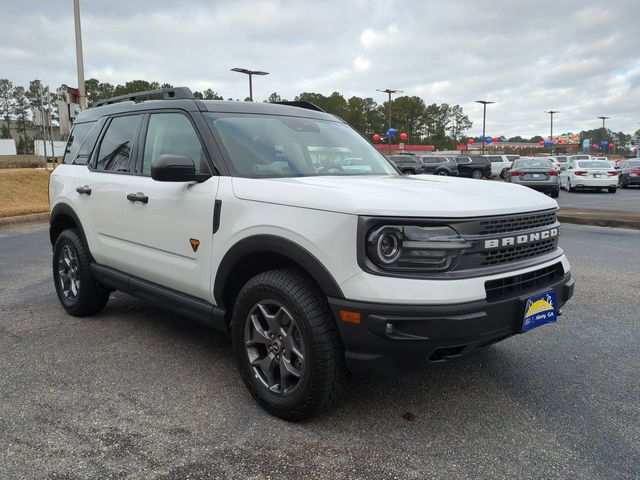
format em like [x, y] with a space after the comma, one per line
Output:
[282, 225]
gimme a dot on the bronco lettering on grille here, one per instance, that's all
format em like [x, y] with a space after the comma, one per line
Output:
[520, 239]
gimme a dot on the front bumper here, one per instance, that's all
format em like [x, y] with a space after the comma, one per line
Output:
[392, 339]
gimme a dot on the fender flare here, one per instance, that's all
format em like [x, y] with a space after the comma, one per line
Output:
[60, 210]
[277, 245]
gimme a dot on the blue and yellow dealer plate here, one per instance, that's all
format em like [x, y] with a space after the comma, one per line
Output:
[540, 309]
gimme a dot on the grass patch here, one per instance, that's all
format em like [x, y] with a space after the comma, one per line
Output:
[23, 191]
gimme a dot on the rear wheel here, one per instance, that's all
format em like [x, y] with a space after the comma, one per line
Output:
[442, 172]
[569, 187]
[477, 174]
[408, 172]
[78, 292]
[555, 193]
[623, 184]
[612, 189]
[503, 173]
[287, 346]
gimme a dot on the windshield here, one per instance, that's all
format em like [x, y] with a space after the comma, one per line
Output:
[594, 164]
[278, 146]
[546, 164]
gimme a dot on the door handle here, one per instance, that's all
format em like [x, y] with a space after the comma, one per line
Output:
[138, 197]
[84, 190]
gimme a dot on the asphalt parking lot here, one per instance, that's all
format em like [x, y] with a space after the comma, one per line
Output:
[136, 392]
[624, 200]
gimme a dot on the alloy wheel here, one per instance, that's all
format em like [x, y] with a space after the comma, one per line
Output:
[274, 346]
[68, 273]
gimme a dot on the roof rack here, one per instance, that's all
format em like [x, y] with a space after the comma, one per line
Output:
[167, 94]
[301, 104]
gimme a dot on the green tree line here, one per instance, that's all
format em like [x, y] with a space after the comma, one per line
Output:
[442, 125]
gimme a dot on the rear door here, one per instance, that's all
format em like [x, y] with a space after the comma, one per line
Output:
[99, 189]
[170, 237]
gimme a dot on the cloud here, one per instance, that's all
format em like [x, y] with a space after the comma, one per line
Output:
[579, 57]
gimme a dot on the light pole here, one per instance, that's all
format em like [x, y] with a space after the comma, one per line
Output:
[484, 119]
[604, 131]
[551, 112]
[389, 91]
[251, 73]
[79, 61]
[603, 119]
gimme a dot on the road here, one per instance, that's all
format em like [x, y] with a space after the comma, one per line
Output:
[624, 200]
[135, 392]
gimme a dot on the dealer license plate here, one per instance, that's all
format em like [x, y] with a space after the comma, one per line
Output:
[596, 175]
[539, 310]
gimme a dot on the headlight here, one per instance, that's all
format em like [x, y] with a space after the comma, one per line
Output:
[407, 248]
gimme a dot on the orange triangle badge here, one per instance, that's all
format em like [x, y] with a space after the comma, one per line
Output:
[195, 243]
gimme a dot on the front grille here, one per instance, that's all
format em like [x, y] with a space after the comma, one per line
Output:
[517, 284]
[512, 254]
[515, 223]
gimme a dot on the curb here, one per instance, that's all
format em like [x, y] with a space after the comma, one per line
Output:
[598, 222]
[20, 219]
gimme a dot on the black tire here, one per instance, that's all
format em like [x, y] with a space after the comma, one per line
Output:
[503, 173]
[569, 187]
[555, 193]
[89, 296]
[623, 184]
[442, 172]
[612, 189]
[322, 374]
[408, 172]
[477, 174]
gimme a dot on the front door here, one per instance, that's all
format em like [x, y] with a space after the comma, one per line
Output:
[170, 231]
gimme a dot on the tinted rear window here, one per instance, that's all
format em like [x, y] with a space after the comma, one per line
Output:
[594, 164]
[78, 134]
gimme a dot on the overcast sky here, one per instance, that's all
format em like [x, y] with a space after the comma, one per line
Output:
[579, 57]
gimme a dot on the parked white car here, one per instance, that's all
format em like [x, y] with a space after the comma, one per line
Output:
[589, 174]
[500, 164]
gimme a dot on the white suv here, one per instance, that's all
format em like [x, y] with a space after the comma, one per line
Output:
[500, 164]
[244, 216]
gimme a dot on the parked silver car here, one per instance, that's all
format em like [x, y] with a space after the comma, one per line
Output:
[537, 173]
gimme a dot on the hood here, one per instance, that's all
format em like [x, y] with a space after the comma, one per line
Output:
[408, 196]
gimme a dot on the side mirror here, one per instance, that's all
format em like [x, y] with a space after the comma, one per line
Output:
[170, 167]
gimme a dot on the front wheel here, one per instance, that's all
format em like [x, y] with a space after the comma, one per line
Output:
[78, 292]
[503, 173]
[612, 189]
[569, 187]
[286, 345]
[477, 174]
[442, 172]
[408, 172]
[555, 193]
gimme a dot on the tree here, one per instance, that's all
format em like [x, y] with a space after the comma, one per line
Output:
[5, 132]
[96, 91]
[21, 109]
[6, 102]
[274, 98]
[135, 86]
[208, 94]
[334, 103]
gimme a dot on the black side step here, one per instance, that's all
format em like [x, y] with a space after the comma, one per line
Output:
[180, 303]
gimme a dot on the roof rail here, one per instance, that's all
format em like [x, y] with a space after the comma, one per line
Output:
[301, 104]
[167, 94]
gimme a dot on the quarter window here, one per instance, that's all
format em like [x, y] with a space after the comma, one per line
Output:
[172, 133]
[78, 134]
[115, 149]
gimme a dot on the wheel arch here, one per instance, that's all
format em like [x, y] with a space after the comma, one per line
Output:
[63, 217]
[258, 253]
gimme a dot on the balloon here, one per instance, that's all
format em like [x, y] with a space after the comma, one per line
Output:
[548, 143]
[611, 145]
[595, 145]
[541, 143]
[403, 136]
[471, 141]
[390, 133]
[376, 137]
[489, 140]
[480, 137]
[496, 139]
[605, 143]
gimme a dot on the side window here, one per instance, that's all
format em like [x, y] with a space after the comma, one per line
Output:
[115, 149]
[89, 142]
[78, 134]
[172, 133]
